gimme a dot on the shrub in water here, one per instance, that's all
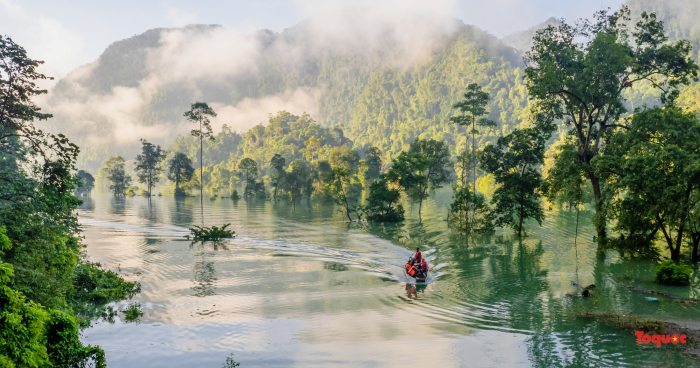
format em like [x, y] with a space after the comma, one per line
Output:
[213, 233]
[133, 312]
[670, 273]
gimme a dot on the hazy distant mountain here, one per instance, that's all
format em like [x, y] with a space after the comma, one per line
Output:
[522, 41]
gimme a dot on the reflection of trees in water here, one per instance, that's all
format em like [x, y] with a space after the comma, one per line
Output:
[148, 210]
[204, 273]
[182, 216]
[117, 205]
[87, 203]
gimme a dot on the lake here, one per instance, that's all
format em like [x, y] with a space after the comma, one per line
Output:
[300, 287]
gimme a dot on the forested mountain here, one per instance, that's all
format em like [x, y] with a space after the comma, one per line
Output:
[380, 88]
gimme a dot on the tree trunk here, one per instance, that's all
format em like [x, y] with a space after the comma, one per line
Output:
[474, 153]
[695, 239]
[599, 215]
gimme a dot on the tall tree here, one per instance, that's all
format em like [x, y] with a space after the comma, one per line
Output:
[654, 168]
[119, 180]
[341, 178]
[579, 73]
[514, 161]
[148, 164]
[180, 169]
[472, 110]
[200, 113]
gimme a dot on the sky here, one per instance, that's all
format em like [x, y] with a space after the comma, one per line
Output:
[67, 34]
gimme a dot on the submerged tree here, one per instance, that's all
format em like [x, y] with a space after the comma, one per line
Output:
[580, 74]
[277, 165]
[248, 170]
[514, 161]
[383, 203]
[86, 184]
[179, 170]
[200, 113]
[472, 110]
[340, 176]
[119, 180]
[148, 165]
[425, 167]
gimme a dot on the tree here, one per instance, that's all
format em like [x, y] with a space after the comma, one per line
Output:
[514, 161]
[277, 164]
[248, 170]
[180, 169]
[87, 183]
[579, 73]
[654, 170]
[18, 134]
[116, 174]
[148, 164]
[472, 109]
[383, 203]
[200, 113]
[425, 167]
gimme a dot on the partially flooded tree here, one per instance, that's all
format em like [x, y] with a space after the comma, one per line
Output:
[472, 111]
[148, 165]
[515, 163]
[579, 73]
[86, 183]
[119, 180]
[200, 114]
[179, 170]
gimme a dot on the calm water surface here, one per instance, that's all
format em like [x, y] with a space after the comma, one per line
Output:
[299, 287]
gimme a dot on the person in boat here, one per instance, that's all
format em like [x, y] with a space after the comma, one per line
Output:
[418, 257]
[424, 266]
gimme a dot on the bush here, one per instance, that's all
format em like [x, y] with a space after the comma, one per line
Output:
[670, 273]
[133, 312]
[213, 233]
[64, 346]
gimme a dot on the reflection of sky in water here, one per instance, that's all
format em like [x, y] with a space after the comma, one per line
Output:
[303, 288]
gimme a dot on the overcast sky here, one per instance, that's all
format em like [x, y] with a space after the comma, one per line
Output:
[67, 34]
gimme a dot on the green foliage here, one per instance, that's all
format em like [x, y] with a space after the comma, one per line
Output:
[119, 180]
[469, 212]
[21, 330]
[514, 161]
[95, 285]
[148, 164]
[212, 233]
[671, 273]
[133, 312]
[383, 203]
[654, 170]
[580, 73]
[425, 167]
[179, 170]
[64, 347]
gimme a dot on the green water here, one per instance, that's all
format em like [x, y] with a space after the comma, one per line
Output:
[300, 287]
